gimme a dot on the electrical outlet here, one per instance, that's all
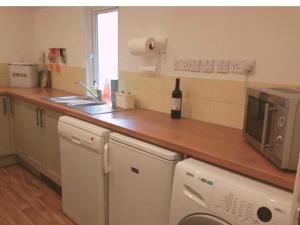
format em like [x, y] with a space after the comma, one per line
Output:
[222, 65]
[195, 65]
[243, 66]
[182, 64]
[179, 64]
[207, 65]
[187, 64]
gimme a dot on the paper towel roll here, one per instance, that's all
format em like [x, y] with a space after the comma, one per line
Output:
[142, 46]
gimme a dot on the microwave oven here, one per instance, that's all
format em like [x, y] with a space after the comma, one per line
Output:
[272, 124]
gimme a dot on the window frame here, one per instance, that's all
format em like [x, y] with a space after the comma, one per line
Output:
[94, 57]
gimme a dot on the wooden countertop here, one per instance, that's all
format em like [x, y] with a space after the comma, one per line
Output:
[219, 145]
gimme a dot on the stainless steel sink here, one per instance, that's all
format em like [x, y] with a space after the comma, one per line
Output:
[76, 101]
[85, 104]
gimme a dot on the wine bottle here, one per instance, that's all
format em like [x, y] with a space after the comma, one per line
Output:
[176, 101]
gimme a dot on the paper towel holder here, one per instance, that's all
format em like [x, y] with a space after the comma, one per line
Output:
[159, 46]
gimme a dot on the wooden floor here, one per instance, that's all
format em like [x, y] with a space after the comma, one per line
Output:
[25, 200]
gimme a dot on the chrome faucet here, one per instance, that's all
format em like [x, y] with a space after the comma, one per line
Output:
[99, 92]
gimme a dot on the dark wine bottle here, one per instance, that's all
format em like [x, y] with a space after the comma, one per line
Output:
[176, 101]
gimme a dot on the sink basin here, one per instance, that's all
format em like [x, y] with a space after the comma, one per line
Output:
[85, 104]
[76, 101]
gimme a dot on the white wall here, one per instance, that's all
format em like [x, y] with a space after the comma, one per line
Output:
[16, 37]
[60, 27]
[269, 35]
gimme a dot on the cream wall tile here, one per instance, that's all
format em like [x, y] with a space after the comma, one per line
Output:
[227, 114]
[166, 103]
[65, 80]
[139, 99]
[151, 82]
[136, 82]
[123, 82]
[197, 109]
[4, 81]
[217, 101]
[228, 91]
[197, 88]
[4, 68]
[149, 100]
[4, 78]
[168, 85]
[236, 116]
[220, 113]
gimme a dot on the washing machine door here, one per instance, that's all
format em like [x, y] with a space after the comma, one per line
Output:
[202, 219]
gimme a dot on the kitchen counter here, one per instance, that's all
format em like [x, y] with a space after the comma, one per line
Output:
[219, 145]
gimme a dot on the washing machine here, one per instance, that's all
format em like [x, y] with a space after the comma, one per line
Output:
[204, 194]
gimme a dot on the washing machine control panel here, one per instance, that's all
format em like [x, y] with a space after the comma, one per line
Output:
[248, 207]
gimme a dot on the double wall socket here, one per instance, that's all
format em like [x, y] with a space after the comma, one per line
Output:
[192, 65]
[207, 65]
[242, 66]
[215, 65]
[222, 65]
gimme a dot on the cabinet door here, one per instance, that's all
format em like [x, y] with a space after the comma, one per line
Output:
[19, 127]
[5, 147]
[33, 145]
[51, 145]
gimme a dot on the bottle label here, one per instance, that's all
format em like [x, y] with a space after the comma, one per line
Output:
[176, 104]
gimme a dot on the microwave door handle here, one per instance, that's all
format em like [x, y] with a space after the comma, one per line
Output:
[265, 126]
[268, 109]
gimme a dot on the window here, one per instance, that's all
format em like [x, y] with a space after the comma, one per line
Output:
[105, 46]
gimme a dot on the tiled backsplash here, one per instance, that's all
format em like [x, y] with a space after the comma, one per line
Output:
[215, 101]
[211, 100]
[3, 74]
[65, 80]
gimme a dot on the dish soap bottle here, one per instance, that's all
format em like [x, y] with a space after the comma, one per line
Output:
[176, 101]
[106, 91]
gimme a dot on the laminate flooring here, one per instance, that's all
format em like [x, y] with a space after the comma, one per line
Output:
[26, 200]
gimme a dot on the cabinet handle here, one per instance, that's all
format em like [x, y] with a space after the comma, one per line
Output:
[42, 118]
[11, 107]
[4, 106]
[37, 110]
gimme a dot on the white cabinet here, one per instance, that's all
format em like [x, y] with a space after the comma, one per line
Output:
[5, 141]
[141, 174]
[36, 138]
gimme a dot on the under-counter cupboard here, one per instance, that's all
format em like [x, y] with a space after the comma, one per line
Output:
[36, 138]
[5, 127]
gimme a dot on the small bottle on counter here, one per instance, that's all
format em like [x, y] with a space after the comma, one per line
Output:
[176, 101]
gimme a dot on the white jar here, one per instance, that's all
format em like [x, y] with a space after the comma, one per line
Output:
[125, 101]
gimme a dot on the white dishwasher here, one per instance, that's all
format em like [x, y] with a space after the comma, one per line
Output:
[83, 183]
[140, 181]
